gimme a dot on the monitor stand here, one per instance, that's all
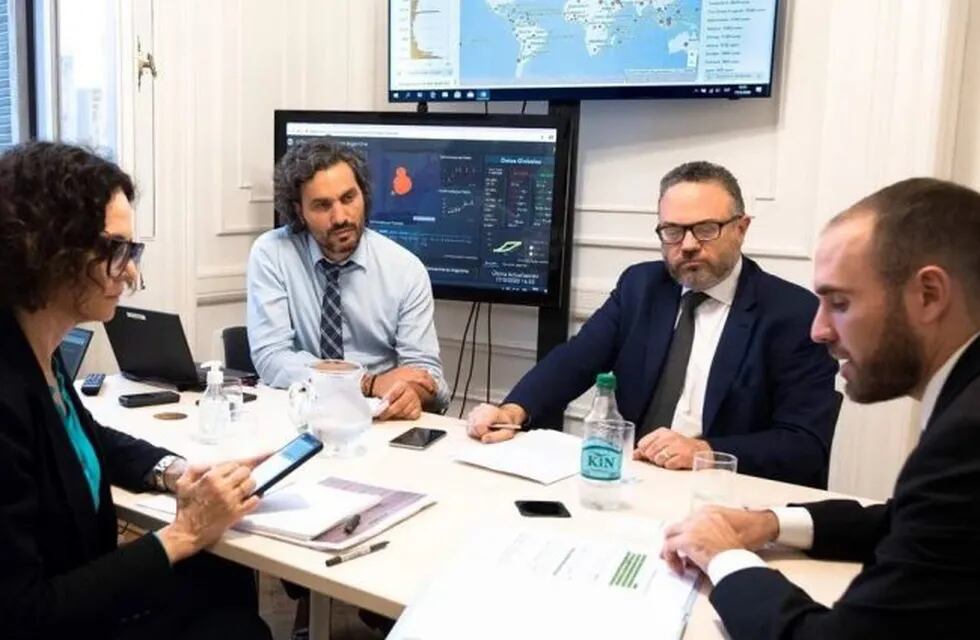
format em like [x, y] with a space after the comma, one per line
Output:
[553, 322]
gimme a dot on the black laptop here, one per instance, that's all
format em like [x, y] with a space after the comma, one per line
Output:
[150, 346]
[72, 350]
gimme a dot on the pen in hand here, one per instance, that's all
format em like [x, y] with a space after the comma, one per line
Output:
[356, 553]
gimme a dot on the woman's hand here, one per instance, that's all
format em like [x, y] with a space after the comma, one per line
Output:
[210, 500]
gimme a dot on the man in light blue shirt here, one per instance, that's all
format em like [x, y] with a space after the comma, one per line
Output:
[324, 286]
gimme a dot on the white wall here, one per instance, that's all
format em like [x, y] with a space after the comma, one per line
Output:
[866, 92]
[966, 158]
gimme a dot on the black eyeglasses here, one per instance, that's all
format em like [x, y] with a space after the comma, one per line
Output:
[118, 253]
[703, 231]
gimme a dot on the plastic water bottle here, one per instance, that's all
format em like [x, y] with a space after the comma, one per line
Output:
[607, 445]
[604, 402]
[214, 410]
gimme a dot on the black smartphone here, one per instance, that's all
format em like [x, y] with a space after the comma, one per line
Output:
[283, 462]
[132, 400]
[417, 438]
[542, 509]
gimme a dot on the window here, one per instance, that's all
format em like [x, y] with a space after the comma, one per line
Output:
[14, 121]
[88, 84]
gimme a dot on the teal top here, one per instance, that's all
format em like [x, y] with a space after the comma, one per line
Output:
[79, 441]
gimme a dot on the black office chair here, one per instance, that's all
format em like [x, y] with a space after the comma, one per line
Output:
[238, 355]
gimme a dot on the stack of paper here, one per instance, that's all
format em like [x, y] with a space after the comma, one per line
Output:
[552, 586]
[541, 455]
[305, 510]
[313, 514]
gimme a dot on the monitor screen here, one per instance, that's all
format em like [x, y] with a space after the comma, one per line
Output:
[73, 349]
[479, 199]
[450, 50]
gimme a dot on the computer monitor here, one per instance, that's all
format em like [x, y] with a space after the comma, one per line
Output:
[479, 199]
[451, 50]
[72, 350]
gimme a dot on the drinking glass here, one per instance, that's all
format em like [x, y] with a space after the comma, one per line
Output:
[232, 388]
[713, 479]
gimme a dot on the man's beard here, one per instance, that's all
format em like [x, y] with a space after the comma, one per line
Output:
[705, 277]
[331, 245]
[895, 367]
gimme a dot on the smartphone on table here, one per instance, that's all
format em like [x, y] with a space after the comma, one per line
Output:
[542, 509]
[417, 438]
[133, 400]
[283, 462]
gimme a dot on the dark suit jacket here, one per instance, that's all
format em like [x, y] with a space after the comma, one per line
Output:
[921, 549]
[770, 397]
[61, 574]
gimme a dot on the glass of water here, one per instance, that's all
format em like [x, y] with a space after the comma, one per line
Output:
[713, 479]
[232, 388]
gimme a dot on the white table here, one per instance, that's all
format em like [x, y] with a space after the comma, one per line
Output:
[467, 498]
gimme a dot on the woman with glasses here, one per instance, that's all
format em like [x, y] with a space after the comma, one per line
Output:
[66, 256]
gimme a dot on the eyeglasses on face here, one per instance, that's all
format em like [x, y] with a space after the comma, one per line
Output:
[118, 253]
[703, 230]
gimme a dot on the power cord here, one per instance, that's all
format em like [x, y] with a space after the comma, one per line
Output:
[489, 346]
[469, 376]
[462, 351]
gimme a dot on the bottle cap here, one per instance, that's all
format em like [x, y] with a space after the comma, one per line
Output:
[215, 374]
[606, 381]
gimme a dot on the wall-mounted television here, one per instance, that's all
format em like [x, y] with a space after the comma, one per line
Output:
[480, 199]
[456, 50]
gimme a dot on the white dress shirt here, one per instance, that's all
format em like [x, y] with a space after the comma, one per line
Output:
[795, 523]
[709, 322]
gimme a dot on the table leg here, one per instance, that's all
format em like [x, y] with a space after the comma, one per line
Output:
[320, 606]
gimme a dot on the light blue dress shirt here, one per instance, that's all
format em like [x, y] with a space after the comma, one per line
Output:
[386, 298]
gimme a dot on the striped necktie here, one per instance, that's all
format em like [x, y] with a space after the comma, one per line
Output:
[332, 315]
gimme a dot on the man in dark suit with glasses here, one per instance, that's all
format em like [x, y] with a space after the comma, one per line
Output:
[710, 352]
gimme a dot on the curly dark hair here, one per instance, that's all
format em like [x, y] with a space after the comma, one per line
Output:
[52, 214]
[300, 164]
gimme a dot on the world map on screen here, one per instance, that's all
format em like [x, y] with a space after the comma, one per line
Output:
[558, 42]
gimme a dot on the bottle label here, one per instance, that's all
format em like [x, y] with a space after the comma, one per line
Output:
[601, 460]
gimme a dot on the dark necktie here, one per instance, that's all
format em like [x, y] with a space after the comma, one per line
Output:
[660, 413]
[332, 316]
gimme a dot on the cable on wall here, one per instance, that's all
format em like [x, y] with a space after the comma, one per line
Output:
[462, 351]
[469, 375]
[489, 346]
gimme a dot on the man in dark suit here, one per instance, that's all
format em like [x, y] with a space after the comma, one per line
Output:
[898, 277]
[710, 352]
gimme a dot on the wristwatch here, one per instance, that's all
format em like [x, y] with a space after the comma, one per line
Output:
[159, 469]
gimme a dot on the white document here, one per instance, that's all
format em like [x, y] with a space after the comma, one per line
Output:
[305, 510]
[541, 455]
[302, 511]
[511, 583]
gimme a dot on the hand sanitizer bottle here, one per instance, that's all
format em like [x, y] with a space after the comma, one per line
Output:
[214, 410]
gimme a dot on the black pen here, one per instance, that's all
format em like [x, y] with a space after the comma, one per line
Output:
[356, 553]
[352, 523]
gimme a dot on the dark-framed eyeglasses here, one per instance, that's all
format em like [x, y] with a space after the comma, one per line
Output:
[119, 253]
[703, 230]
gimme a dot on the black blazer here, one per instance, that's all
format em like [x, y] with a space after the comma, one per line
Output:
[61, 573]
[770, 396]
[921, 549]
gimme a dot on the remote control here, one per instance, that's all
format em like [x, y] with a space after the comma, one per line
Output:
[92, 384]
